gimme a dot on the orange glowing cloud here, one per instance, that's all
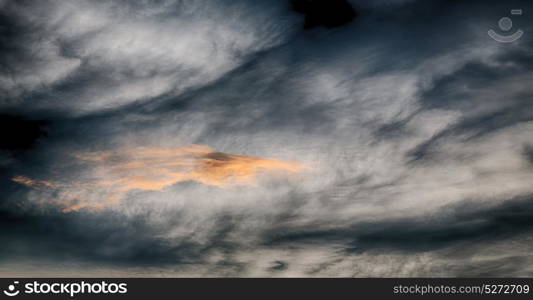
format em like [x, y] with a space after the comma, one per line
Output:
[114, 173]
[37, 184]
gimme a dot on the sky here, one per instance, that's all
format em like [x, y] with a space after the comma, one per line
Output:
[195, 138]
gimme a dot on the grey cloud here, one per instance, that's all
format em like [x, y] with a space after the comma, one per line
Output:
[414, 125]
[528, 153]
[106, 49]
[455, 225]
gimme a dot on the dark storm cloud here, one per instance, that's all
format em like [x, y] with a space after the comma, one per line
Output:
[450, 91]
[504, 266]
[455, 225]
[18, 134]
[334, 13]
[507, 105]
[528, 153]
[355, 96]
[276, 95]
[107, 238]
[60, 237]
[279, 266]
[458, 233]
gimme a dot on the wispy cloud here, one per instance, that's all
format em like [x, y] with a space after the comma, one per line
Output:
[387, 146]
[111, 175]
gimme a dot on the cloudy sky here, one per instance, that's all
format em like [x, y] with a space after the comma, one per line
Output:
[275, 138]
